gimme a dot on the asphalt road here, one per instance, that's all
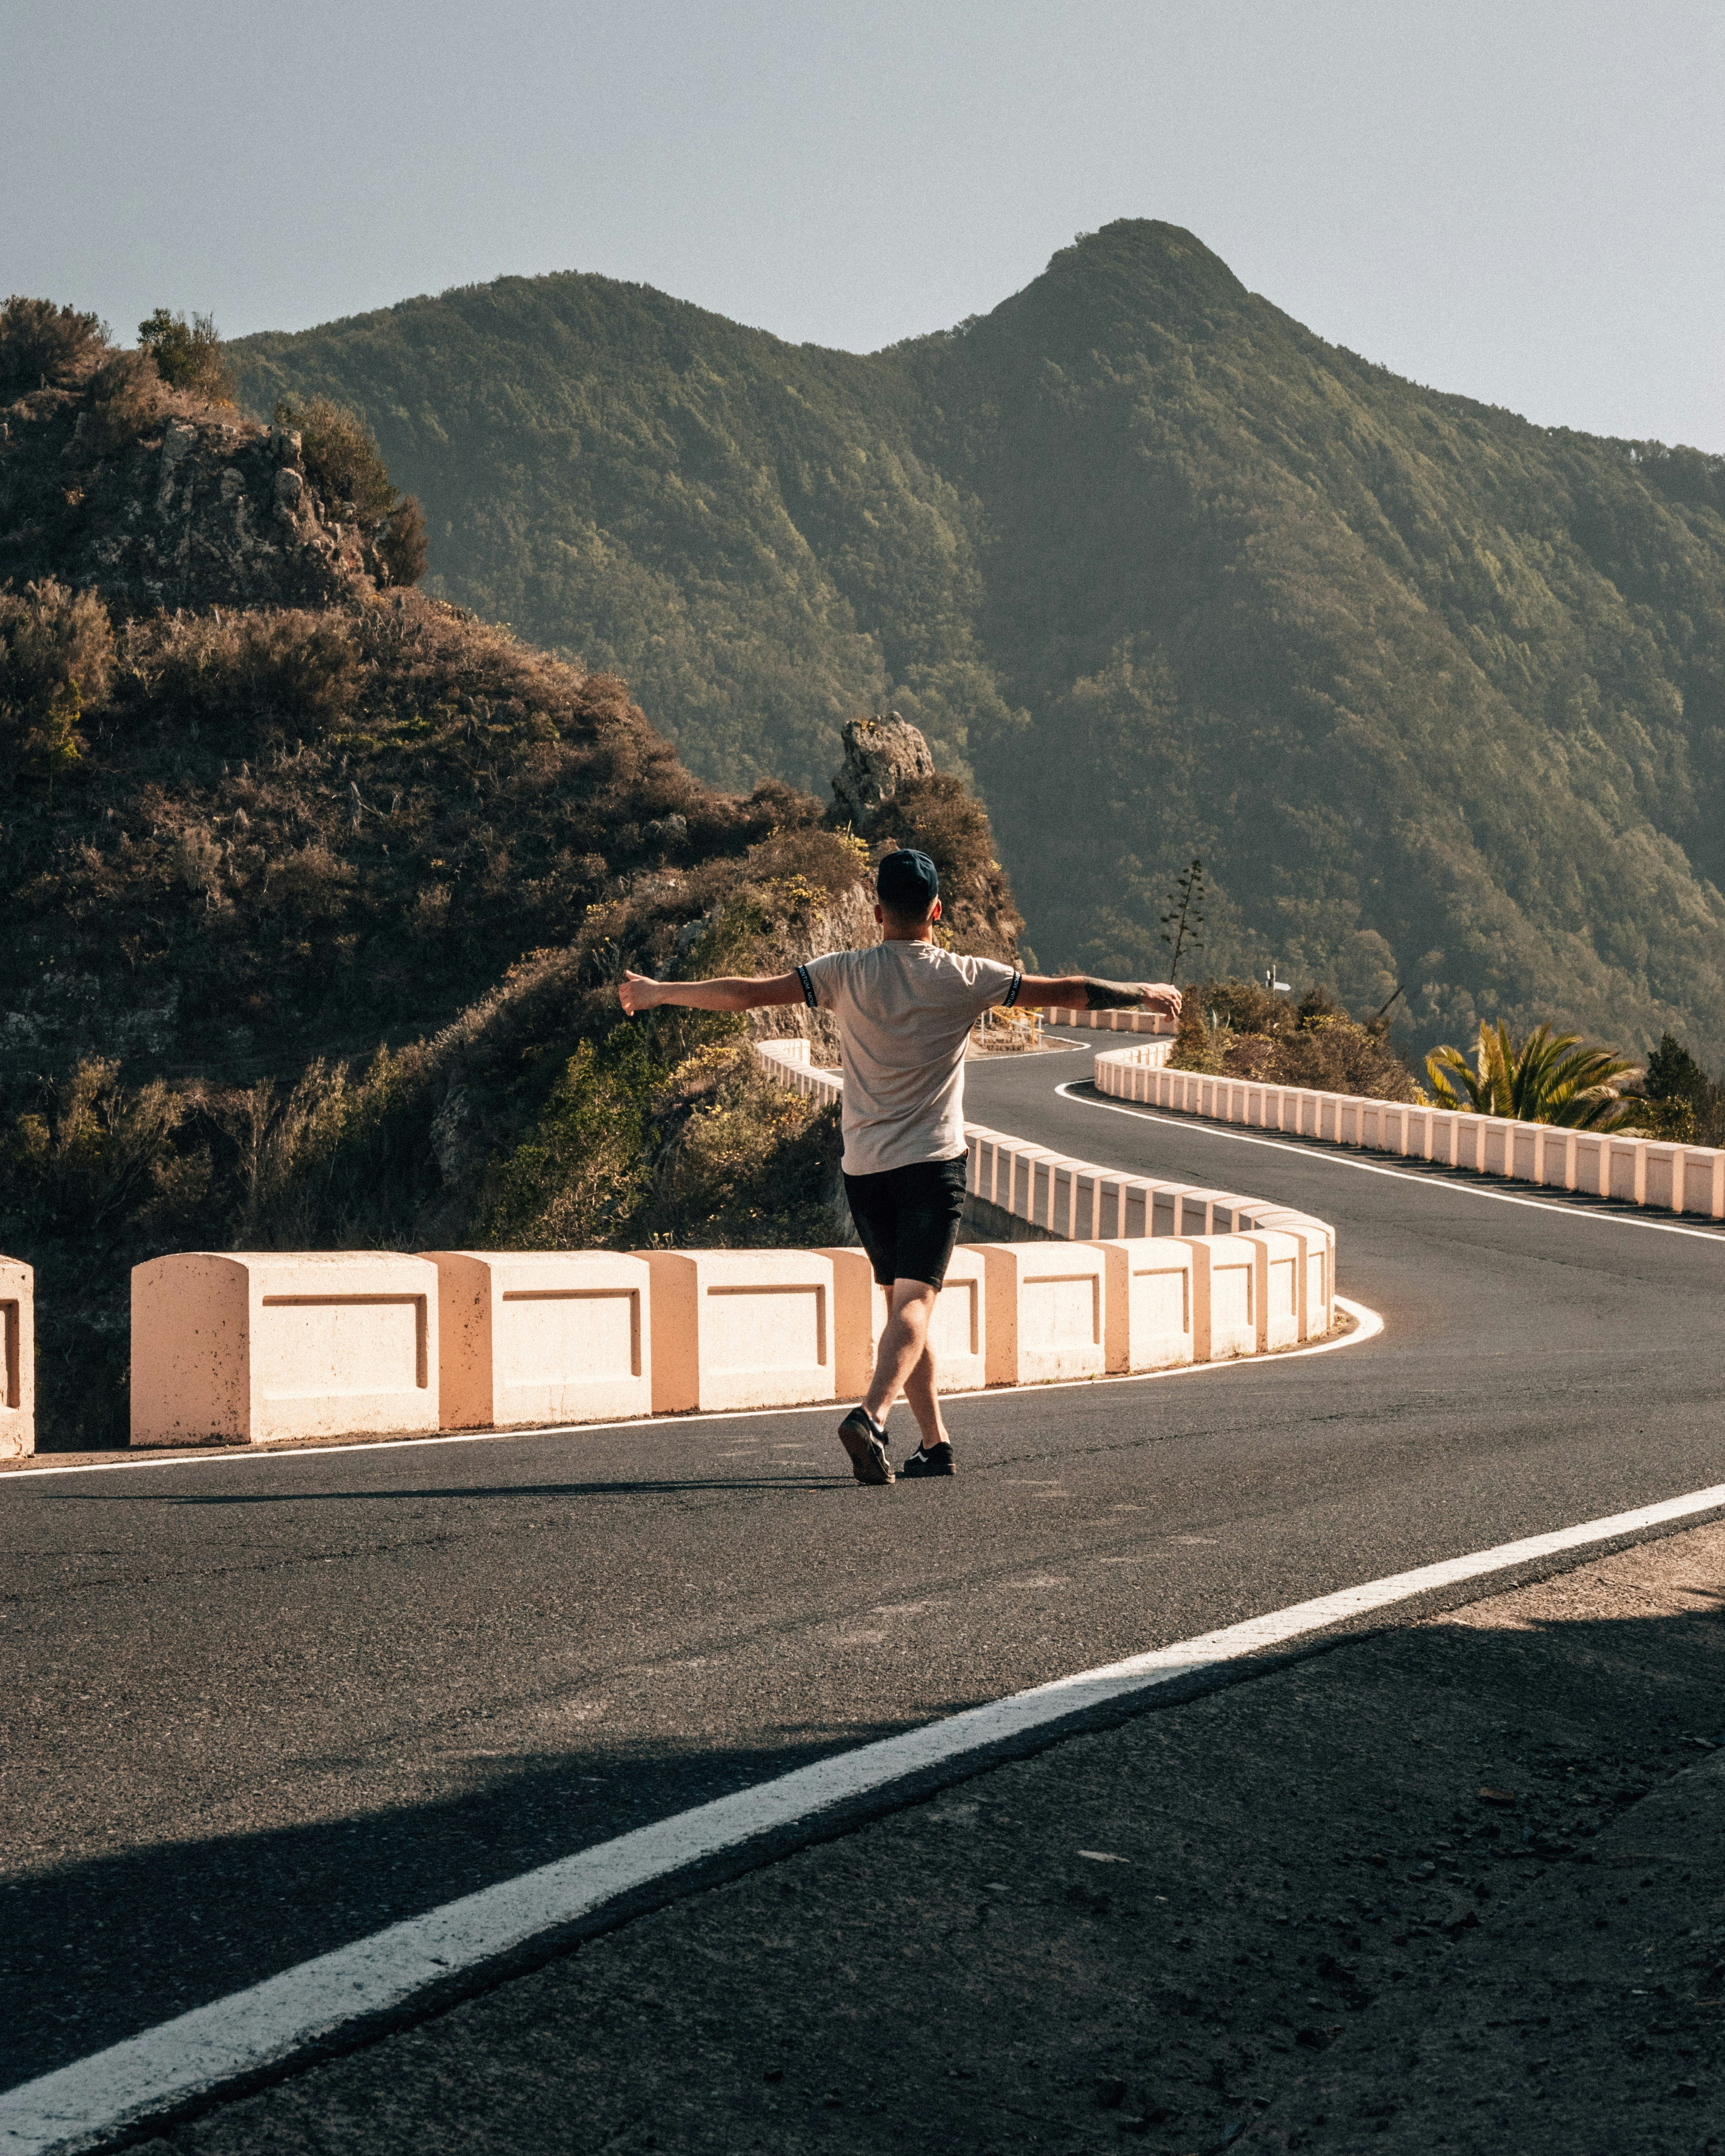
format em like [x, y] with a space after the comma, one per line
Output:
[256, 1707]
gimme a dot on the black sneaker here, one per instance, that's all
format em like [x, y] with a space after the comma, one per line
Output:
[866, 1441]
[923, 1461]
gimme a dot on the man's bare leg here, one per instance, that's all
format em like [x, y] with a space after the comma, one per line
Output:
[904, 1348]
[924, 1403]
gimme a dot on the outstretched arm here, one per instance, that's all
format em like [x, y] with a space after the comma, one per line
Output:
[1084, 991]
[638, 993]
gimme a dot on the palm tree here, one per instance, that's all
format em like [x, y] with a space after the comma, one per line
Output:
[1551, 1078]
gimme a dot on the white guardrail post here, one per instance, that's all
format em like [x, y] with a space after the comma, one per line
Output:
[18, 1359]
[1647, 1172]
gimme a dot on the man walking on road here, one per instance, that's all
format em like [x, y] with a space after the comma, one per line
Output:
[904, 1010]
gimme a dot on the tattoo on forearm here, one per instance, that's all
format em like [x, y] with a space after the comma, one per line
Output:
[1110, 995]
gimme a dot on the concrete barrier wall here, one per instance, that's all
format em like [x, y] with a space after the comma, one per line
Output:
[959, 1332]
[262, 1346]
[271, 1347]
[1150, 1302]
[1114, 1021]
[1047, 1312]
[1276, 1289]
[1128, 1273]
[858, 1312]
[538, 1337]
[1225, 1283]
[1648, 1171]
[787, 1059]
[741, 1329]
[1079, 1200]
[18, 1359]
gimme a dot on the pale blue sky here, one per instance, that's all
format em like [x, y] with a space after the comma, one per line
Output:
[1523, 202]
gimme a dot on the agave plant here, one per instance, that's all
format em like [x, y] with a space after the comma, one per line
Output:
[1551, 1078]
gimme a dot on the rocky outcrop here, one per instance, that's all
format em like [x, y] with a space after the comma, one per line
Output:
[201, 508]
[880, 755]
[888, 793]
[220, 514]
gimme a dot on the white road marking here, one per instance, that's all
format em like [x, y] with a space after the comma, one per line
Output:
[250, 2031]
[1368, 1324]
[1314, 1151]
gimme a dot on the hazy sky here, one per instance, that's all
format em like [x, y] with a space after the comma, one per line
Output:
[1519, 200]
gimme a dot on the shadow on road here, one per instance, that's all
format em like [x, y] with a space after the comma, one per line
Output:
[419, 1494]
[1580, 1719]
[95, 1951]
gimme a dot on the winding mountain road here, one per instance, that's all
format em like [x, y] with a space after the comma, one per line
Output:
[256, 1707]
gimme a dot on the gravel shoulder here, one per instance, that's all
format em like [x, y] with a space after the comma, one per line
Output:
[1458, 1885]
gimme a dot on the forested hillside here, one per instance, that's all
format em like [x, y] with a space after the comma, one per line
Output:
[1438, 695]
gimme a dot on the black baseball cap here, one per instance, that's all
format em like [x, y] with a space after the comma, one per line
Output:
[907, 882]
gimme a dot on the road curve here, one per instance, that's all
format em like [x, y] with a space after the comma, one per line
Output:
[261, 1706]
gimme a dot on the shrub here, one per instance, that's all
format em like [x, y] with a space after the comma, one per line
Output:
[1684, 1105]
[41, 342]
[292, 669]
[1249, 1007]
[1330, 1056]
[188, 355]
[125, 395]
[583, 1167]
[56, 658]
[341, 460]
[428, 916]
[827, 863]
[1672, 1122]
[937, 815]
[402, 543]
[1197, 1045]
[197, 861]
[1239, 1029]
[101, 1155]
[336, 1160]
[748, 1163]
[1672, 1073]
[312, 880]
[344, 464]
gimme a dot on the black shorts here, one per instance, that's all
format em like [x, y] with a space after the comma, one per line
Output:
[908, 1218]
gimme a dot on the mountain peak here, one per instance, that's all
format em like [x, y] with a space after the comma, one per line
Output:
[1107, 285]
[1153, 246]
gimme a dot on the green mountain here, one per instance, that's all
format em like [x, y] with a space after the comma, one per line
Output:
[1438, 695]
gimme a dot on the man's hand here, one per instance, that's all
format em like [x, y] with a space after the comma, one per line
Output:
[1160, 996]
[638, 993]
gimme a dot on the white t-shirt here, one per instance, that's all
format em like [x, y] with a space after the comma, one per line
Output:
[905, 1011]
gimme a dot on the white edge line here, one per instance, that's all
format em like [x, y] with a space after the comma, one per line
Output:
[250, 2031]
[1177, 1119]
[1368, 1325]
